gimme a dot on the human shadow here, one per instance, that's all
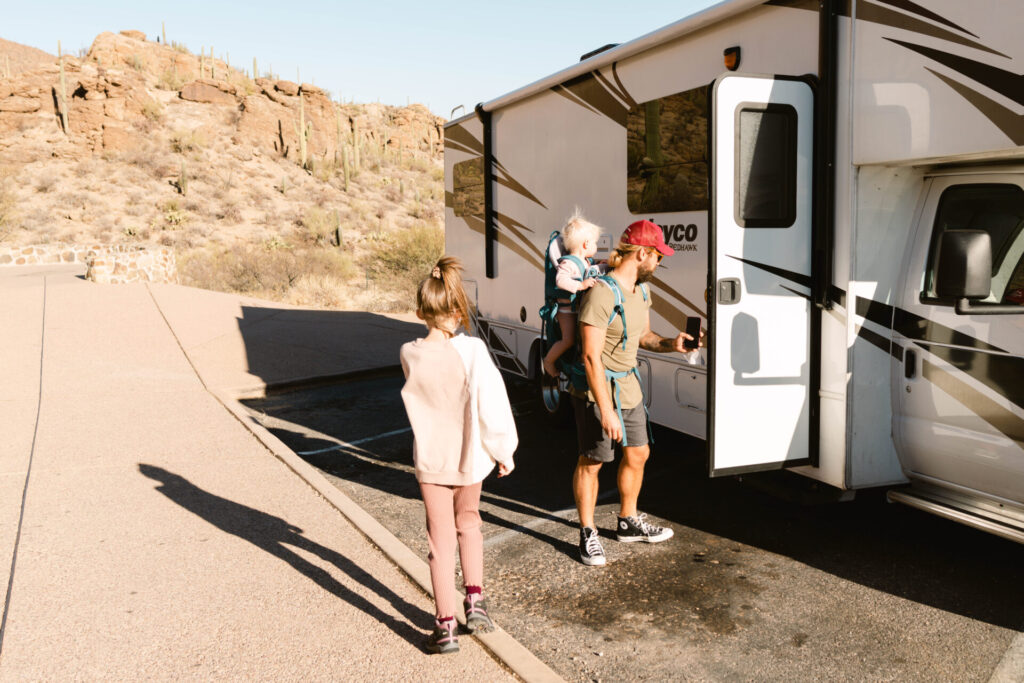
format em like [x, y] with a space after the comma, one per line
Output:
[376, 470]
[275, 535]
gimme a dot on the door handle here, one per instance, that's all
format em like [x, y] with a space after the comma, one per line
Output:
[729, 290]
[910, 364]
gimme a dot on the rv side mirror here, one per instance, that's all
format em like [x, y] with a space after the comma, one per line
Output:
[964, 271]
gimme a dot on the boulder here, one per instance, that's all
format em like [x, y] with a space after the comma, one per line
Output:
[198, 91]
[137, 35]
[287, 87]
[119, 137]
[20, 105]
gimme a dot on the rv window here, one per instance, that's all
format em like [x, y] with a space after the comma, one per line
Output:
[765, 166]
[468, 187]
[666, 154]
[997, 209]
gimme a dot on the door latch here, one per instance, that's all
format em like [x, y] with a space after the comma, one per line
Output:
[729, 290]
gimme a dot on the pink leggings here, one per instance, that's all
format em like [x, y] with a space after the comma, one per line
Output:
[453, 510]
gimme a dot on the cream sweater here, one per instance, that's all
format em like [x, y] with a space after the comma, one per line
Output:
[456, 402]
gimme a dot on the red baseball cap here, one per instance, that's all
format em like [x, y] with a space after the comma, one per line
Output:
[647, 234]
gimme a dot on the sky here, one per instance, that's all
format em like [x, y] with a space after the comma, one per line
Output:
[401, 51]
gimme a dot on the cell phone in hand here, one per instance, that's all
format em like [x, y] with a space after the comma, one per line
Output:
[692, 329]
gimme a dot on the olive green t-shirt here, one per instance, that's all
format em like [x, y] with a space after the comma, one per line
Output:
[597, 307]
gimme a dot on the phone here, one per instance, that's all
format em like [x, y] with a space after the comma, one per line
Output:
[692, 329]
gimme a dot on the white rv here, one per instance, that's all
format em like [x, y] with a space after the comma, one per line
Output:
[844, 189]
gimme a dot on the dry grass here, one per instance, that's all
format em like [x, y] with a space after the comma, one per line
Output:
[7, 204]
[404, 258]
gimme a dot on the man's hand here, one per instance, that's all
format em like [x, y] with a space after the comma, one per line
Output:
[611, 425]
[677, 343]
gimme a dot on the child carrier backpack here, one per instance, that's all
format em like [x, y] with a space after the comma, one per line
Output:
[550, 331]
[571, 362]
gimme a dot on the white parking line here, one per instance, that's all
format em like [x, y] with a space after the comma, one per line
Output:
[539, 521]
[347, 444]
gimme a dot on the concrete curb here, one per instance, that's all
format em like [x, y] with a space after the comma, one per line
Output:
[503, 646]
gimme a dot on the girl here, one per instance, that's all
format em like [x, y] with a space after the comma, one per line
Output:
[462, 425]
[574, 275]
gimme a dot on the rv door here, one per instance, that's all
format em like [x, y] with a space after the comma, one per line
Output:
[759, 333]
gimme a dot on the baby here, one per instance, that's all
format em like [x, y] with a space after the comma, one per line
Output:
[576, 273]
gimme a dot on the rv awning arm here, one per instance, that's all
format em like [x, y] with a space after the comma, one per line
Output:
[694, 22]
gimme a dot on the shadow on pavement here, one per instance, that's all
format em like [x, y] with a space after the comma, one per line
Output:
[283, 345]
[274, 534]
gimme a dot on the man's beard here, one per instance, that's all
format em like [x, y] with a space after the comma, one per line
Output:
[644, 274]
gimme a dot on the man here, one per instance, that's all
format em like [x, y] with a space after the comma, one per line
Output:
[598, 423]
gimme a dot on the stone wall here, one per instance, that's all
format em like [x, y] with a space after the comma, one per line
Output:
[108, 264]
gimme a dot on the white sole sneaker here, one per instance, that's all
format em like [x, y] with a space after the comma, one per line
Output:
[657, 538]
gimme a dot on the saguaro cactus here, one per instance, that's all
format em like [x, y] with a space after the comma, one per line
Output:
[355, 146]
[163, 32]
[348, 171]
[63, 93]
[255, 73]
[183, 180]
[303, 130]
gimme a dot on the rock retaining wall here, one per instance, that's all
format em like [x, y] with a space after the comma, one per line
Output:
[108, 264]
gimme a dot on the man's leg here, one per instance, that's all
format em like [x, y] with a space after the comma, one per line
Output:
[584, 489]
[631, 478]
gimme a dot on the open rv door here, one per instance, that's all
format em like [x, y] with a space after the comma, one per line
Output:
[759, 300]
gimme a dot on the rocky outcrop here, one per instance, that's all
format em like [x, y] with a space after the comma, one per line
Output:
[210, 92]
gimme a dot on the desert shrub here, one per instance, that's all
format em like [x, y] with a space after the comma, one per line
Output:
[271, 270]
[405, 257]
[153, 111]
[136, 62]
[187, 141]
[170, 79]
[317, 225]
[7, 204]
[230, 213]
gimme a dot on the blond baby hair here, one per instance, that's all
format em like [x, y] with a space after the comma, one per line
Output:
[577, 230]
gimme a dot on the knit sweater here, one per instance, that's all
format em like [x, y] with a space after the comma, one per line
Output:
[461, 419]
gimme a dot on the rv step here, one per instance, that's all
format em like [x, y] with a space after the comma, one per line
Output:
[958, 511]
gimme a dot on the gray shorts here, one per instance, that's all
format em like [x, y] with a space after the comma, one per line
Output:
[593, 442]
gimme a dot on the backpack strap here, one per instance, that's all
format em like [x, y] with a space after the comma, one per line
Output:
[617, 309]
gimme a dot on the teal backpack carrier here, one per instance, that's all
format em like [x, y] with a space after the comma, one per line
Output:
[571, 362]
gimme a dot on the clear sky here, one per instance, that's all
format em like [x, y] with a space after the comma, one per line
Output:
[440, 54]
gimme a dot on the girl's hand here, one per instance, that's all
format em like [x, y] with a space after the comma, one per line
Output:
[504, 470]
[588, 283]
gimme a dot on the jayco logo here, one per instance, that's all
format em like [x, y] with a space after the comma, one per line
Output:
[680, 237]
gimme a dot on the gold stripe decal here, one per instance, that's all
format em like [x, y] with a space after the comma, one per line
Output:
[456, 136]
[979, 404]
[1007, 121]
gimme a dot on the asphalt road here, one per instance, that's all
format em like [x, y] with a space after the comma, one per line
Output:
[753, 586]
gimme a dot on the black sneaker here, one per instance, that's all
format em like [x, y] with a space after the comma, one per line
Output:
[443, 640]
[477, 620]
[591, 552]
[634, 529]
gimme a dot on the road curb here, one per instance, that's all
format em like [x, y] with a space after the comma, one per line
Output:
[503, 646]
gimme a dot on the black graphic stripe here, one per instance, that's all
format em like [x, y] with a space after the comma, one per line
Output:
[458, 135]
[1005, 119]
[1006, 83]
[798, 278]
[883, 343]
[503, 177]
[876, 14]
[921, 329]
[799, 294]
[914, 8]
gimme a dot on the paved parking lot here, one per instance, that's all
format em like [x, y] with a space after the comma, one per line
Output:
[753, 586]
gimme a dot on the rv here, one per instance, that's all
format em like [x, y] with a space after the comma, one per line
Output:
[843, 184]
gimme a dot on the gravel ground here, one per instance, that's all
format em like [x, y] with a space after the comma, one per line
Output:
[752, 586]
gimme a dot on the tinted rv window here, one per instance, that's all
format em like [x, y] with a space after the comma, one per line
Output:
[666, 154]
[998, 210]
[765, 166]
[468, 182]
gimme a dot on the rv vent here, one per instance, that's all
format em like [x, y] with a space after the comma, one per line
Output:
[598, 51]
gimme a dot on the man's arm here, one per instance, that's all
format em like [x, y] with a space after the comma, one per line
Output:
[652, 341]
[592, 342]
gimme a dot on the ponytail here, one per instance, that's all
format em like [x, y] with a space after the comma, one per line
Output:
[441, 295]
[621, 253]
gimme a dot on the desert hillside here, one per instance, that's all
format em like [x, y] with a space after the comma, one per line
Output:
[261, 185]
